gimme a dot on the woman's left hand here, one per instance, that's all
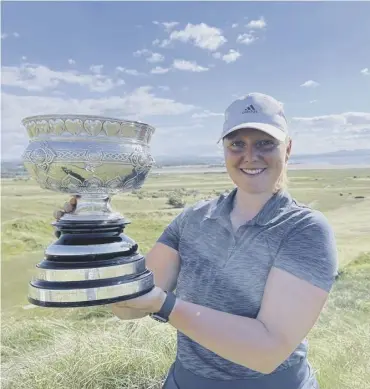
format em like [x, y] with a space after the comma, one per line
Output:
[150, 302]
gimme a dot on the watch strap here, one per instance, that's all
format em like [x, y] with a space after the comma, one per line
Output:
[166, 309]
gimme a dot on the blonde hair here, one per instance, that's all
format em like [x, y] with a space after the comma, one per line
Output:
[283, 181]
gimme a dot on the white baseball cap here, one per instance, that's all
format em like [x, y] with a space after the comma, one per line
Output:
[257, 111]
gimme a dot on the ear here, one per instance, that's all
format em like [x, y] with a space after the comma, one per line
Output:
[288, 149]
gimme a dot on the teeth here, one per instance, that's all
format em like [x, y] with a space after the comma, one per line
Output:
[252, 171]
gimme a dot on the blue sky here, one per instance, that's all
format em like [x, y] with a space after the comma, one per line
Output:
[178, 65]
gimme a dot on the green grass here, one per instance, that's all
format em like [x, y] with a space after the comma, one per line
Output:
[26, 234]
[89, 348]
[340, 341]
[101, 354]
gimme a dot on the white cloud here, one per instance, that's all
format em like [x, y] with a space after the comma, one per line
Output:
[167, 25]
[318, 123]
[150, 55]
[310, 84]
[313, 101]
[246, 39]
[365, 71]
[140, 104]
[71, 61]
[164, 43]
[257, 24]
[201, 35]
[97, 69]
[170, 25]
[139, 53]
[337, 131]
[13, 34]
[159, 70]
[131, 72]
[231, 56]
[24, 58]
[182, 65]
[155, 57]
[190, 66]
[348, 122]
[38, 78]
[205, 114]
[234, 25]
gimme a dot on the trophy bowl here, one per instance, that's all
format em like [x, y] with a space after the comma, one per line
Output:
[93, 158]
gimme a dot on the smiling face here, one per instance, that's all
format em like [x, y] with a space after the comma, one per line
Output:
[255, 160]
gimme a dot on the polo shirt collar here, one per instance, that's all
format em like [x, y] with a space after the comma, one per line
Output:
[220, 210]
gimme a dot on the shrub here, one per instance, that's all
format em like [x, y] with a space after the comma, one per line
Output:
[176, 201]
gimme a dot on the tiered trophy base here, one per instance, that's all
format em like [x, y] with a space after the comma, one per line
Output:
[92, 263]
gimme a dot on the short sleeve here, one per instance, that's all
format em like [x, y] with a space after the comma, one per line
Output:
[172, 233]
[309, 251]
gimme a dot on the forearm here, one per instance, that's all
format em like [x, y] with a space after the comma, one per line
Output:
[239, 339]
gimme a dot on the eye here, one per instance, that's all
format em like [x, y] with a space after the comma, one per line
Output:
[265, 144]
[237, 145]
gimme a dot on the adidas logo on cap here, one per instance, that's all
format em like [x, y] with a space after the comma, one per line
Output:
[250, 109]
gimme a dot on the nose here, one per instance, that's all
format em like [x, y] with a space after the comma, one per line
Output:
[250, 154]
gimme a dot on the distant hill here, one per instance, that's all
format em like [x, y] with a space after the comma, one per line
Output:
[341, 157]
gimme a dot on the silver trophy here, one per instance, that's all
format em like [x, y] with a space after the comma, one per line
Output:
[93, 262]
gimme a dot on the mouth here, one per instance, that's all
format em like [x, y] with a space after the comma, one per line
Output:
[253, 172]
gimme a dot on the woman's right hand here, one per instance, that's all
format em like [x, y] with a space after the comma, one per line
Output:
[124, 313]
[67, 208]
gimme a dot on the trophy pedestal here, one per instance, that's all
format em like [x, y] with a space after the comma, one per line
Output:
[92, 263]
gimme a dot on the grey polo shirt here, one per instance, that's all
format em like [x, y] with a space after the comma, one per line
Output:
[228, 271]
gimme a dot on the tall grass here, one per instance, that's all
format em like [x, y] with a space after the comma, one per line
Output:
[106, 354]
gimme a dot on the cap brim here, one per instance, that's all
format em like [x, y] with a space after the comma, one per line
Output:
[267, 128]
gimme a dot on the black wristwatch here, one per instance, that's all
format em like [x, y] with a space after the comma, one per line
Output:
[163, 314]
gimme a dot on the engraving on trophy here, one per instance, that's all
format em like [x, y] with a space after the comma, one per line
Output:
[41, 157]
[93, 262]
[57, 126]
[94, 158]
[74, 126]
[91, 294]
[93, 127]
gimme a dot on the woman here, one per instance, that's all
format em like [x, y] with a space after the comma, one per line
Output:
[252, 269]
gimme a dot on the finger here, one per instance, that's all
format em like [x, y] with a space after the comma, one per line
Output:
[73, 200]
[58, 214]
[68, 207]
